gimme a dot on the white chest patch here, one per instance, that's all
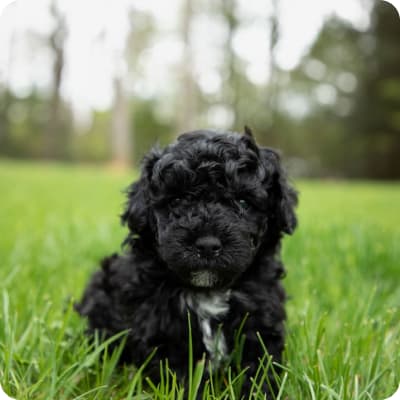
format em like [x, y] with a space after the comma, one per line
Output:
[208, 307]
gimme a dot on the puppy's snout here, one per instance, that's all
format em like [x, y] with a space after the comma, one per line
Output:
[208, 245]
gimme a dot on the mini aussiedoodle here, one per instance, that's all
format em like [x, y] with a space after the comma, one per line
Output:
[205, 221]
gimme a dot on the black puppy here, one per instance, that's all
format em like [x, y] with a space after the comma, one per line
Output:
[205, 223]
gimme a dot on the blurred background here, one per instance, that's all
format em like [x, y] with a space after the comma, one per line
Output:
[101, 82]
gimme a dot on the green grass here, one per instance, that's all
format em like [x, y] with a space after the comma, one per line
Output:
[343, 279]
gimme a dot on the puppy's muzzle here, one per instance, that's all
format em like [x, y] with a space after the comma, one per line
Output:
[208, 246]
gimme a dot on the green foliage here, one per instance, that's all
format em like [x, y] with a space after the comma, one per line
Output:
[149, 128]
[336, 114]
[376, 113]
[93, 144]
[349, 81]
[343, 282]
[22, 120]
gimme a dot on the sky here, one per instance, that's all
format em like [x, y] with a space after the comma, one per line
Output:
[96, 40]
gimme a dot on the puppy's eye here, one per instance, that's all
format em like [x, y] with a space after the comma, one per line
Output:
[244, 204]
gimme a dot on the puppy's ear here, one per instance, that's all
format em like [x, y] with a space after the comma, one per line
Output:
[248, 139]
[137, 214]
[248, 131]
[282, 196]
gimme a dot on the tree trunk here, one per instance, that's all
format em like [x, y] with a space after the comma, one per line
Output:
[187, 92]
[121, 142]
[232, 84]
[55, 140]
[273, 84]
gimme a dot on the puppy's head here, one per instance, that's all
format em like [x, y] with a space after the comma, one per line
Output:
[209, 203]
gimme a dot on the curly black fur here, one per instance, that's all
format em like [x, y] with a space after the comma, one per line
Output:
[205, 223]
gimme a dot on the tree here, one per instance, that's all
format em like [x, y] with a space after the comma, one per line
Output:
[376, 115]
[273, 87]
[56, 133]
[5, 102]
[232, 73]
[128, 141]
[351, 81]
[187, 87]
[121, 129]
[237, 101]
[324, 82]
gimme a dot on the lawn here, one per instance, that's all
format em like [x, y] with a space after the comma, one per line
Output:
[343, 329]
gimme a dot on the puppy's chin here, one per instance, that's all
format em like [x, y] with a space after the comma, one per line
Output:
[204, 279]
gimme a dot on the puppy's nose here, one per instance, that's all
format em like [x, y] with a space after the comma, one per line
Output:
[208, 245]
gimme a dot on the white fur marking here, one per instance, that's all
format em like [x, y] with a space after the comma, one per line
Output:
[203, 279]
[209, 306]
[214, 342]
